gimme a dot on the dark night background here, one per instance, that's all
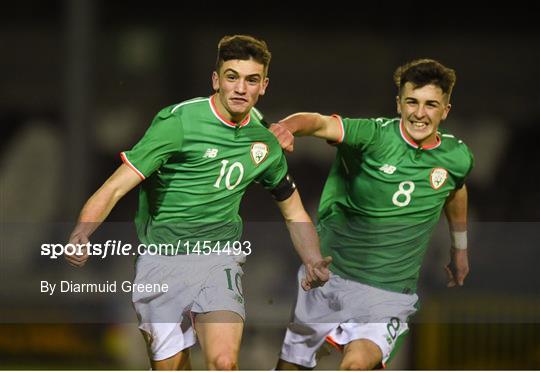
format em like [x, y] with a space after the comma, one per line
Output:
[81, 80]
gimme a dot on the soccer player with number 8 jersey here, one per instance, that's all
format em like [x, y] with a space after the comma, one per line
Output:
[389, 183]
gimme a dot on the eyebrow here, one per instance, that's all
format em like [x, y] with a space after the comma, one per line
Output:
[428, 101]
[236, 72]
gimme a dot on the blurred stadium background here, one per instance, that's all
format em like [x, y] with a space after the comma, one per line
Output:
[81, 80]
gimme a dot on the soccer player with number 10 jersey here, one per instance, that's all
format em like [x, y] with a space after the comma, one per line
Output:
[194, 164]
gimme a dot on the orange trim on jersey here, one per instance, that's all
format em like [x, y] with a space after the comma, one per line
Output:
[334, 343]
[341, 128]
[222, 119]
[436, 144]
[126, 161]
[411, 142]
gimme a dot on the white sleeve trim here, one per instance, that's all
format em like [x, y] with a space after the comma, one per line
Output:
[342, 127]
[130, 165]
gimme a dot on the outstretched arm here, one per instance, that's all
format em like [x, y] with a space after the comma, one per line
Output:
[98, 207]
[305, 241]
[307, 124]
[456, 213]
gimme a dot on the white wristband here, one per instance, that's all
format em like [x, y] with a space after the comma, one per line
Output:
[459, 239]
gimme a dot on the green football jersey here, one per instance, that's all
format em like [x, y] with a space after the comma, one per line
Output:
[196, 166]
[383, 198]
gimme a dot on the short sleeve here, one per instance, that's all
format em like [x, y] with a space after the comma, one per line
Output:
[275, 173]
[358, 132]
[469, 161]
[163, 138]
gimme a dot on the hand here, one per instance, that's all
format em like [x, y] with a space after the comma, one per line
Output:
[458, 268]
[284, 136]
[78, 260]
[317, 274]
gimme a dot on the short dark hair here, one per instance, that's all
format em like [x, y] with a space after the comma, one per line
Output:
[422, 72]
[243, 47]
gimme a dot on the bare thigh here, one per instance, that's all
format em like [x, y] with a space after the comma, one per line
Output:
[178, 362]
[219, 334]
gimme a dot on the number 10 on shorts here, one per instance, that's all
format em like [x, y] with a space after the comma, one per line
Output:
[235, 283]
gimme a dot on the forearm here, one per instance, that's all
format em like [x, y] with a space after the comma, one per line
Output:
[98, 207]
[95, 211]
[456, 213]
[303, 234]
[306, 243]
[302, 123]
[305, 240]
[307, 124]
[456, 210]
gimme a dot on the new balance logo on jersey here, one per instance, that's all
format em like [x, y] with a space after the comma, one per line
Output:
[259, 152]
[388, 169]
[438, 177]
[210, 153]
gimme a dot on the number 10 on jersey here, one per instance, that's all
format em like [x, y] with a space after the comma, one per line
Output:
[234, 166]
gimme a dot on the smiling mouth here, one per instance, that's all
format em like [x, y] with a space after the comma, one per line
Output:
[418, 124]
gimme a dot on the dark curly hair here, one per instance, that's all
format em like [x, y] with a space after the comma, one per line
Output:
[421, 72]
[243, 47]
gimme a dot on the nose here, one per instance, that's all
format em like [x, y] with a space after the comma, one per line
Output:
[241, 86]
[420, 111]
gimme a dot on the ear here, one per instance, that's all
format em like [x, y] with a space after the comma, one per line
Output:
[446, 111]
[215, 81]
[264, 85]
[398, 106]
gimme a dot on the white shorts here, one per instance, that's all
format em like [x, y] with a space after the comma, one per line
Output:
[196, 284]
[346, 310]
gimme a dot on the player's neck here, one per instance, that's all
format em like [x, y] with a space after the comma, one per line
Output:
[224, 113]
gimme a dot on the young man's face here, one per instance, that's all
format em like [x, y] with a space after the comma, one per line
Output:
[422, 110]
[239, 84]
